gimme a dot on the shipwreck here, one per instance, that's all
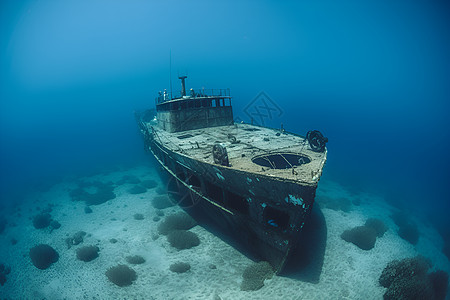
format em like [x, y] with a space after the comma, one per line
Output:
[259, 182]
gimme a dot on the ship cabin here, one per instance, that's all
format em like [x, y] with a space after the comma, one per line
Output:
[200, 109]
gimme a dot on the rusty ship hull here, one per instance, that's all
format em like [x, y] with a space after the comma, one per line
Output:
[266, 205]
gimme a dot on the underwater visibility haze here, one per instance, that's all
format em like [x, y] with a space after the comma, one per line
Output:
[372, 76]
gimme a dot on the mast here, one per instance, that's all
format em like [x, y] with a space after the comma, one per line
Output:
[170, 73]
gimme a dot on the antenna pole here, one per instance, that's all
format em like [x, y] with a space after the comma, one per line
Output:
[170, 72]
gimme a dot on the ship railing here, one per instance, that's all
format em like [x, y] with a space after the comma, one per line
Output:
[193, 93]
[202, 92]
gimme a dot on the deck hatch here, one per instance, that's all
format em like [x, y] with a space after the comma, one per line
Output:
[281, 160]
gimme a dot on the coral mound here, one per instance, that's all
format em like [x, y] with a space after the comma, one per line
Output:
[129, 179]
[179, 221]
[254, 276]
[439, 280]
[42, 220]
[180, 267]
[55, 224]
[135, 260]
[362, 236]
[407, 228]
[378, 225]
[43, 256]
[87, 253]
[137, 189]
[161, 202]
[138, 216]
[4, 270]
[121, 275]
[150, 184]
[183, 239]
[400, 269]
[408, 279]
[98, 193]
[409, 232]
[76, 239]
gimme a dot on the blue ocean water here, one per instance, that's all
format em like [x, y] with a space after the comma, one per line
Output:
[373, 76]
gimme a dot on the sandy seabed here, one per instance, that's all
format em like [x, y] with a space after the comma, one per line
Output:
[346, 272]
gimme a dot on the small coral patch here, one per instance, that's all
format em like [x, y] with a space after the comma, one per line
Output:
[408, 279]
[98, 192]
[378, 225]
[137, 189]
[180, 267]
[179, 221]
[121, 275]
[407, 228]
[135, 260]
[43, 256]
[362, 236]
[42, 220]
[161, 202]
[87, 253]
[255, 274]
[138, 216]
[150, 184]
[183, 239]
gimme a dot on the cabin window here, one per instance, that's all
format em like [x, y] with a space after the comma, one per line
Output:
[214, 192]
[237, 202]
[276, 218]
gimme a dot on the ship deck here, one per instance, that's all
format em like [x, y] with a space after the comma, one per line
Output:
[250, 141]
